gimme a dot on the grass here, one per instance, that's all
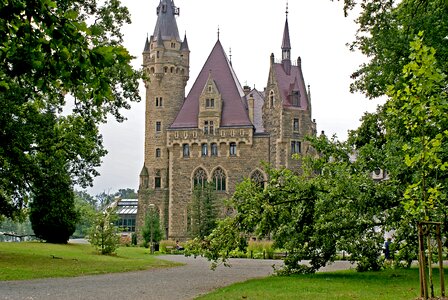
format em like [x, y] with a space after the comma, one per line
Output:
[20, 261]
[384, 285]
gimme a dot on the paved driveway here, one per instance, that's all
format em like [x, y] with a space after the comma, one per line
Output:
[184, 282]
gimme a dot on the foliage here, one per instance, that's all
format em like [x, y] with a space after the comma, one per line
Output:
[260, 249]
[385, 29]
[104, 234]
[22, 229]
[85, 206]
[166, 243]
[61, 74]
[152, 227]
[203, 211]
[32, 260]
[52, 212]
[418, 111]
[127, 193]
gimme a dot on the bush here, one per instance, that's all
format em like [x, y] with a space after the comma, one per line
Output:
[260, 249]
[163, 244]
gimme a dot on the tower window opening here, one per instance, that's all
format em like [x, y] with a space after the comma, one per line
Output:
[295, 125]
[157, 180]
[172, 70]
[165, 69]
[295, 147]
[271, 98]
[158, 126]
[173, 45]
[158, 152]
[159, 101]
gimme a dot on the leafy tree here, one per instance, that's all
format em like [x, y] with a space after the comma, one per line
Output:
[385, 29]
[152, 225]
[103, 200]
[203, 211]
[54, 51]
[104, 234]
[127, 193]
[85, 206]
[52, 212]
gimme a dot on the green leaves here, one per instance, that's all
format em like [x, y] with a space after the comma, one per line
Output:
[48, 52]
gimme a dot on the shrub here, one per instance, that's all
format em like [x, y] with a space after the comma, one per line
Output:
[163, 244]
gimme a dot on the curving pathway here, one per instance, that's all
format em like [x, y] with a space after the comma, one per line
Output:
[184, 282]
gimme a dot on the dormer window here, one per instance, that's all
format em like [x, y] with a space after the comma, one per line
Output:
[173, 45]
[209, 88]
[295, 98]
[209, 103]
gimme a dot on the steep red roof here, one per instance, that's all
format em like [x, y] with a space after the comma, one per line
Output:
[234, 111]
[288, 83]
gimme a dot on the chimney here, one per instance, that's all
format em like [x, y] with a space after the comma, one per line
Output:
[246, 89]
[251, 104]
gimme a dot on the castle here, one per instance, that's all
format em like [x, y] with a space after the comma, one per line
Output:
[221, 132]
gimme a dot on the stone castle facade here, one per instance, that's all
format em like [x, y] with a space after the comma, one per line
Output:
[221, 132]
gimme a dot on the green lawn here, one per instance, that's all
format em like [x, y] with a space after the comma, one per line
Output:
[19, 261]
[385, 285]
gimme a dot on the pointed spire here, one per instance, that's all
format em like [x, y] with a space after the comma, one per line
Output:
[184, 45]
[166, 20]
[147, 45]
[286, 46]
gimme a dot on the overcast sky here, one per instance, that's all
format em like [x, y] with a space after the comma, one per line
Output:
[252, 29]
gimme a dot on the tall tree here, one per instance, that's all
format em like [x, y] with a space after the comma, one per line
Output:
[54, 51]
[385, 29]
[203, 210]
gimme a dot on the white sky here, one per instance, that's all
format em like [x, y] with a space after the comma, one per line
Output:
[253, 29]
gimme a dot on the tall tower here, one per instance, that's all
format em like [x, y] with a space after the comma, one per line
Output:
[166, 64]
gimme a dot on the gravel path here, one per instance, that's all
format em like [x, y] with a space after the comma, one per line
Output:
[185, 282]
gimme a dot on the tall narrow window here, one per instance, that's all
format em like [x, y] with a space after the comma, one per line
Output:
[295, 125]
[232, 149]
[271, 98]
[158, 152]
[199, 178]
[214, 150]
[186, 150]
[159, 101]
[207, 102]
[205, 127]
[211, 128]
[295, 147]
[219, 179]
[204, 150]
[158, 126]
[212, 102]
[157, 180]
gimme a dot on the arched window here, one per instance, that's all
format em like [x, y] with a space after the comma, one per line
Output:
[158, 152]
[219, 179]
[271, 98]
[199, 177]
[257, 178]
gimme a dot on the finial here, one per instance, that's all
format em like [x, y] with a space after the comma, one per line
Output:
[218, 32]
[287, 10]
